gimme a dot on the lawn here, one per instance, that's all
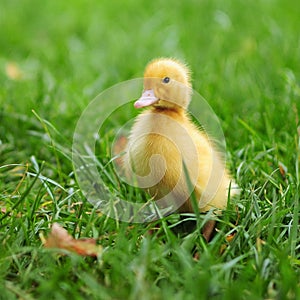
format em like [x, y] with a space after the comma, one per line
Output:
[57, 56]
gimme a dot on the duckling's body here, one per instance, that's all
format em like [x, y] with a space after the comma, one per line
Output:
[163, 140]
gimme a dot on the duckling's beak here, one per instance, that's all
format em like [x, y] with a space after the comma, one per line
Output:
[148, 98]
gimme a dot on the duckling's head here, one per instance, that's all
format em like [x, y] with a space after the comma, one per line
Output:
[167, 85]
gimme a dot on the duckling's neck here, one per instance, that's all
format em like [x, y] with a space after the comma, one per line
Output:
[168, 110]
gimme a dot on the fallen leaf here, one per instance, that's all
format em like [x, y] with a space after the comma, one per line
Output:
[118, 147]
[120, 144]
[230, 237]
[282, 169]
[13, 71]
[59, 238]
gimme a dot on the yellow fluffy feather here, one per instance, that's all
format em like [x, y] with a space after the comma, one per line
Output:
[163, 138]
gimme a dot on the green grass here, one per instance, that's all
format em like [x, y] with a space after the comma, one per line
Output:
[245, 58]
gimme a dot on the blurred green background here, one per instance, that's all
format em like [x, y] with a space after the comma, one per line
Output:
[243, 55]
[56, 56]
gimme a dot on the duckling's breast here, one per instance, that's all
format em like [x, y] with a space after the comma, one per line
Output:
[159, 144]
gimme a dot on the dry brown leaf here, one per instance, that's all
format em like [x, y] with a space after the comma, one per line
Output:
[59, 238]
[230, 237]
[118, 147]
[282, 169]
[13, 71]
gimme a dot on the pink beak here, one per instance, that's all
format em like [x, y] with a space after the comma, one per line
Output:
[148, 98]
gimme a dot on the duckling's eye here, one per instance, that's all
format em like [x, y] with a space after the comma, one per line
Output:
[166, 80]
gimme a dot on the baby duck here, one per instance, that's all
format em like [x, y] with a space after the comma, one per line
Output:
[170, 157]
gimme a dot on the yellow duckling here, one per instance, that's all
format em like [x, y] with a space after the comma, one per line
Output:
[166, 150]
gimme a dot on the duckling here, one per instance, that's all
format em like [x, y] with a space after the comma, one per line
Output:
[166, 150]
